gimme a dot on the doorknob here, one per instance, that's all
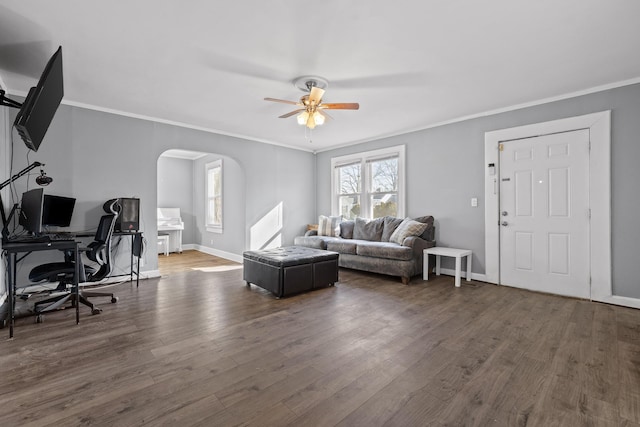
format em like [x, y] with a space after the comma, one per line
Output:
[504, 223]
[505, 213]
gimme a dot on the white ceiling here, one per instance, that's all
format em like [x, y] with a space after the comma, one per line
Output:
[411, 64]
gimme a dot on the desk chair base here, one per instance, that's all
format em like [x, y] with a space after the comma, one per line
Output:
[57, 302]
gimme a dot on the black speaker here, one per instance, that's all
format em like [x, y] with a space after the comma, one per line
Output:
[128, 211]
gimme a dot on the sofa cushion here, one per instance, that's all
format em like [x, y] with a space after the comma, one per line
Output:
[386, 250]
[407, 228]
[428, 233]
[368, 229]
[329, 225]
[342, 246]
[317, 242]
[346, 229]
[390, 225]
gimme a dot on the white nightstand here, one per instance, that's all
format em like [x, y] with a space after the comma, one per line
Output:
[451, 252]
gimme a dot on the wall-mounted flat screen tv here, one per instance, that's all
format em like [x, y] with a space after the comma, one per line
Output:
[41, 104]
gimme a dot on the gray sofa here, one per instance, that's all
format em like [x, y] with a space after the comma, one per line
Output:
[372, 245]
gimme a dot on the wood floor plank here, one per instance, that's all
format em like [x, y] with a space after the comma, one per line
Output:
[197, 347]
[629, 375]
[340, 404]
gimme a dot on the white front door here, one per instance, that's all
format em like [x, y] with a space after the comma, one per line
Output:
[544, 213]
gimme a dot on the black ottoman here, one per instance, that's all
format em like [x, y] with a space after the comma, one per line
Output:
[290, 270]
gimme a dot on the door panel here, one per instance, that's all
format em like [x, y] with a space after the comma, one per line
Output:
[524, 193]
[544, 202]
[559, 247]
[524, 251]
[559, 198]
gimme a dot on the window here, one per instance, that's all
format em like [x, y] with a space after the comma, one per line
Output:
[214, 196]
[369, 185]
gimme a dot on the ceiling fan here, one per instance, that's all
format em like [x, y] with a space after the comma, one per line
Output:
[311, 108]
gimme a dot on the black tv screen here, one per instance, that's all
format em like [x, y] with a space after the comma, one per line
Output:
[41, 104]
[57, 210]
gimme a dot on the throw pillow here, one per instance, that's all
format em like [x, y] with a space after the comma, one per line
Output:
[428, 233]
[407, 227]
[390, 225]
[329, 225]
[368, 229]
[346, 229]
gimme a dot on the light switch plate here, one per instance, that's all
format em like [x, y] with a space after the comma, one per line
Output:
[474, 202]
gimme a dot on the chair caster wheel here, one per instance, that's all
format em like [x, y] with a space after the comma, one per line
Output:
[114, 300]
[95, 310]
[40, 318]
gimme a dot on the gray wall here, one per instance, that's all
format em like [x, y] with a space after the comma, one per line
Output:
[94, 156]
[181, 183]
[176, 190]
[445, 169]
[233, 206]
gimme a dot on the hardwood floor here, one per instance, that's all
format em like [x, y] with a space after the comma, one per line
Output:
[198, 347]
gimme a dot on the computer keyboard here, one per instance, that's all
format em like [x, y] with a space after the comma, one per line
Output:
[43, 238]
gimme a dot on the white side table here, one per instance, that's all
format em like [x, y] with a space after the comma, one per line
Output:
[450, 252]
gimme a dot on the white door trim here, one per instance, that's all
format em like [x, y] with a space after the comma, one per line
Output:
[599, 126]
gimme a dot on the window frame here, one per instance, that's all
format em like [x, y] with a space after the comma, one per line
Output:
[363, 158]
[210, 166]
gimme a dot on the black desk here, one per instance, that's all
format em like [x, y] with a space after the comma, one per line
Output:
[13, 249]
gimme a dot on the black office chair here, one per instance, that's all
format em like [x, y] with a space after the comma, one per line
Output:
[98, 251]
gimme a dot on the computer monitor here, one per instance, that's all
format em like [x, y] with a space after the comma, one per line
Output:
[31, 210]
[57, 211]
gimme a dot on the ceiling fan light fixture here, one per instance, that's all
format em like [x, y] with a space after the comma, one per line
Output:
[302, 118]
[311, 106]
[311, 123]
[318, 118]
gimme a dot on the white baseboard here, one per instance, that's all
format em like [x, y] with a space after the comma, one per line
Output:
[616, 300]
[216, 252]
[149, 274]
[36, 287]
[608, 299]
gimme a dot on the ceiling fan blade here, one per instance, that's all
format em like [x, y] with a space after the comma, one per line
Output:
[325, 114]
[284, 116]
[316, 94]
[284, 101]
[341, 106]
